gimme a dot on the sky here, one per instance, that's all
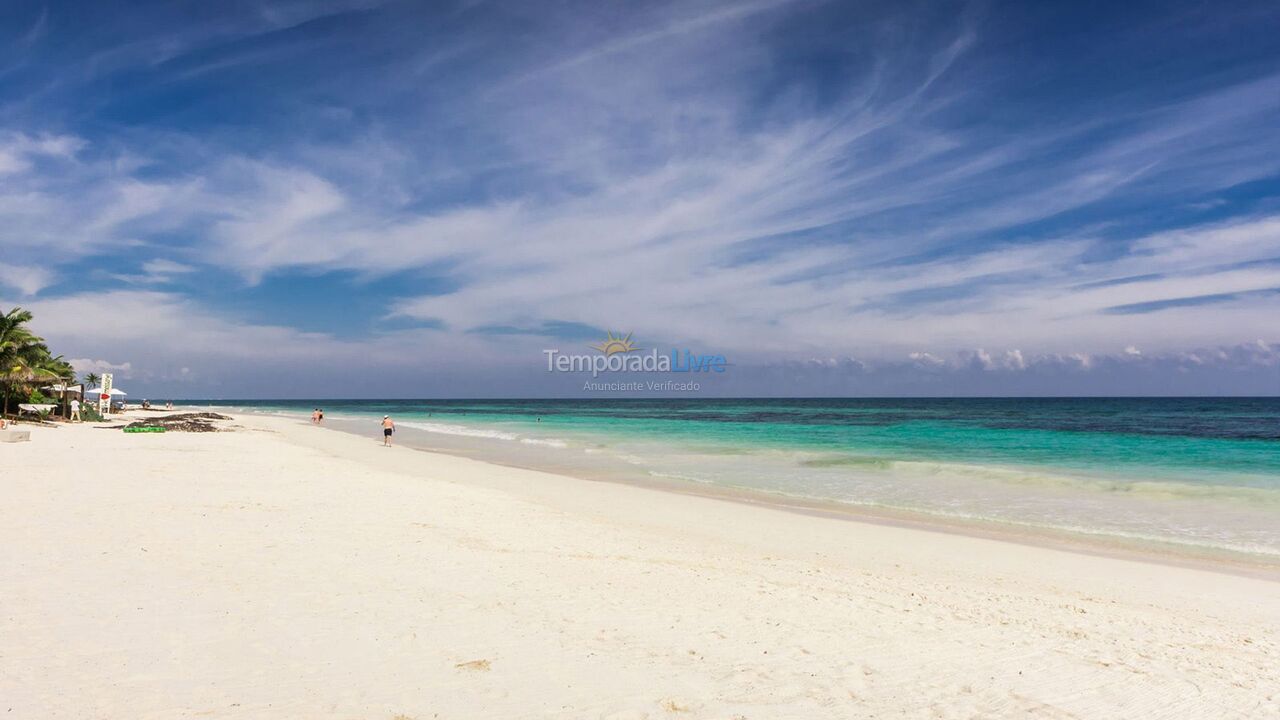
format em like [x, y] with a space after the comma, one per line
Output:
[355, 198]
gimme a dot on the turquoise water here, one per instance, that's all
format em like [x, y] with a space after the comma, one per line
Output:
[1189, 471]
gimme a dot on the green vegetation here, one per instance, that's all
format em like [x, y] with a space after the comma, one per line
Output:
[89, 411]
[26, 362]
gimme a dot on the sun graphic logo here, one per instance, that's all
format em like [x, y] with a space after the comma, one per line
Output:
[614, 345]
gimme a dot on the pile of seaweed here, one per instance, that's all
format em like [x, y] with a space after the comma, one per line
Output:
[183, 422]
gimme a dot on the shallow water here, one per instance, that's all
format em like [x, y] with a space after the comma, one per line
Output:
[1199, 472]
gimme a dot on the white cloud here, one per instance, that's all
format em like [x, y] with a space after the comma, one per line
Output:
[27, 280]
[85, 366]
[925, 359]
[18, 151]
[169, 339]
[677, 203]
[171, 342]
[166, 267]
[156, 272]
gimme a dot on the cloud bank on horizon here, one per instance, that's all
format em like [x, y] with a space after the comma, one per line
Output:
[353, 197]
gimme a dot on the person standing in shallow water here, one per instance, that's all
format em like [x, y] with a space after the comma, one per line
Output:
[388, 427]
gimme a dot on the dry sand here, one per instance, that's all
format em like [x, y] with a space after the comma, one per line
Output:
[288, 571]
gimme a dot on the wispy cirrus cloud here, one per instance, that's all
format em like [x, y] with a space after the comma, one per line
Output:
[18, 151]
[779, 179]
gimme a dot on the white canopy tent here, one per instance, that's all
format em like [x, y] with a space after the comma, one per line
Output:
[117, 396]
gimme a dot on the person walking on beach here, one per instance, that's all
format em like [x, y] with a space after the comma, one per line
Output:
[388, 427]
[75, 411]
[319, 415]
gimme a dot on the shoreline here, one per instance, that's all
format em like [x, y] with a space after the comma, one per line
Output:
[1101, 544]
[282, 570]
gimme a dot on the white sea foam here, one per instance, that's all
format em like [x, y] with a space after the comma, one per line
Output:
[681, 476]
[459, 430]
[548, 442]
[477, 432]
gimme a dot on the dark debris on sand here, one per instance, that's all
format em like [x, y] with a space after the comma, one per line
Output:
[183, 422]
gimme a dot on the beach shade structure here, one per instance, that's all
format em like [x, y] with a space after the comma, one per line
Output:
[35, 408]
[64, 393]
[94, 394]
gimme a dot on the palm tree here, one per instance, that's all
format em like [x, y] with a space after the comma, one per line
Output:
[24, 358]
[13, 330]
[15, 342]
[89, 382]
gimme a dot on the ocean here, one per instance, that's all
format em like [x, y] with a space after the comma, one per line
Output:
[1197, 474]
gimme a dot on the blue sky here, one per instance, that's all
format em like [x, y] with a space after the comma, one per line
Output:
[357, 198]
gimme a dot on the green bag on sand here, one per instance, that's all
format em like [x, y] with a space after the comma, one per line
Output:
[143, 429]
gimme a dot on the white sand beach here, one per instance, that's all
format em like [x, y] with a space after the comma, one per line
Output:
[287, 571]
